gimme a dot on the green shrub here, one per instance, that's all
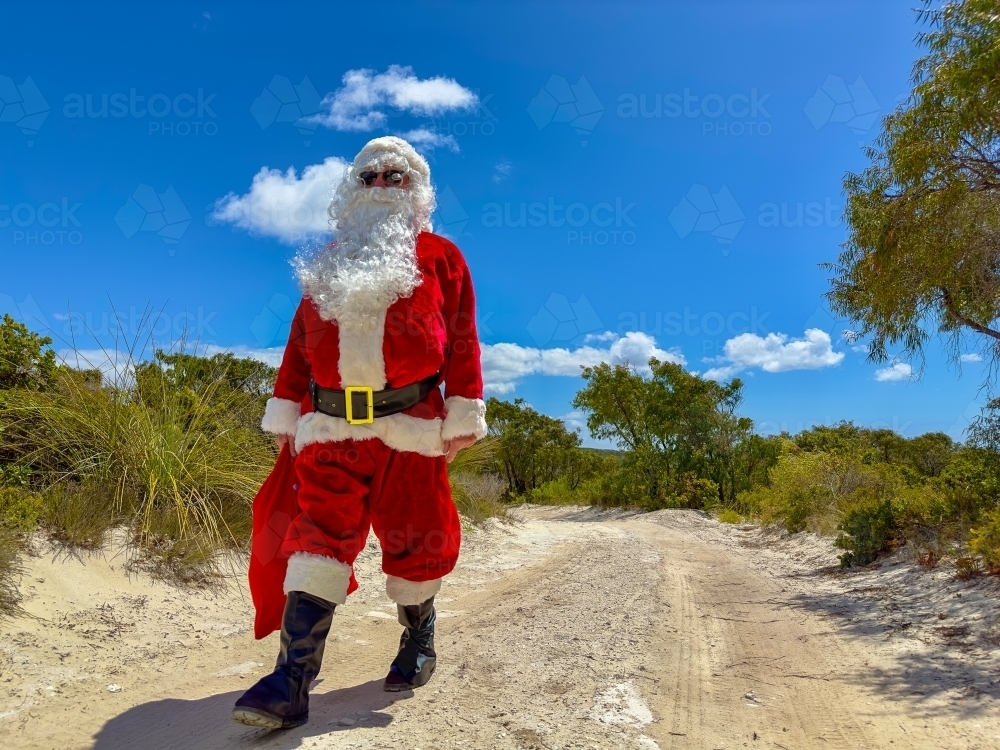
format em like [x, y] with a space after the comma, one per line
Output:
[802, 493]
[626, 487]
[971, 483]
[19, 510]
[555, 492]
[692, 491]
[730, 516]
[869, 528]
[984, 540]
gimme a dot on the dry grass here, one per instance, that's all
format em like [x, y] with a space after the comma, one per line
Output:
[478, 496]
[477, 493]
[10, 572]
[178, 466]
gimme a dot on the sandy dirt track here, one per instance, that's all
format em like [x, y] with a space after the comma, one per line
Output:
[569, 629]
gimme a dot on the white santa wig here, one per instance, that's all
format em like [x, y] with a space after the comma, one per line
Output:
[378, 155]
[372, 263]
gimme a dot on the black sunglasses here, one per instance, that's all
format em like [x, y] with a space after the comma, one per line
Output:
[391, 177]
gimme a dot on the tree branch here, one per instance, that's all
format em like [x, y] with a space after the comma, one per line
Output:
[949, 304]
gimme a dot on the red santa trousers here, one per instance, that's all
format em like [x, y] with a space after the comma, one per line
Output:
[347, 487]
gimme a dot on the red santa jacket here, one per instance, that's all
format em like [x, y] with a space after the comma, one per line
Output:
[432, 330]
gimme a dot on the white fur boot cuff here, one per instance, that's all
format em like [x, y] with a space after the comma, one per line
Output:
[406, 592]
[318, 575]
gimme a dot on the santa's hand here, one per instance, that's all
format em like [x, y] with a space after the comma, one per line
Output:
[453, 446]
[282, 440]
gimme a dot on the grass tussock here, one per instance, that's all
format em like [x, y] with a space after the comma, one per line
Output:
[478, 493]
[168, 448]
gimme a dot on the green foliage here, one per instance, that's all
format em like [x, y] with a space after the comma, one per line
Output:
[984, 540]
[19, 510]
[802, 493]
[923, 218]
[927, 454]
[878, 489]
[869, 527]
[170, 447]
[728, 515]
[529, 448]
[25, 361]
[681, 433]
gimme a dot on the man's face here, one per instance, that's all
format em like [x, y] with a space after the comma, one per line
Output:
[388, 176]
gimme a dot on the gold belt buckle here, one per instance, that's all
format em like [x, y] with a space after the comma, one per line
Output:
[349, 404]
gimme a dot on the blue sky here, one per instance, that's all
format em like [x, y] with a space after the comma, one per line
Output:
[624, 180]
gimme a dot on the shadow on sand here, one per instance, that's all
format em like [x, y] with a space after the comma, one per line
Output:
[967, 681]
[176, 724]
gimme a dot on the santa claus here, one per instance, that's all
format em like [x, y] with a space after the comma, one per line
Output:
[387, 316]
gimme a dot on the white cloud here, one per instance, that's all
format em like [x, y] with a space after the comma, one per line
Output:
[972, 357]
[606, 336]
[358, 105]
[501, 171]
[284, 205]
[894, 373]
[575, 421]
[116, 366]
[424, 139]
[776, 352]
[505, 364]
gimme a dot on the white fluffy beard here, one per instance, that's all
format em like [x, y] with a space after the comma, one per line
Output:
[373, 261]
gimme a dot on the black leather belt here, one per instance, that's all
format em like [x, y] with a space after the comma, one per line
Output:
[361, 405]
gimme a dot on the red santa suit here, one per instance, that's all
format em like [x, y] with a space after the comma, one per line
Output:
[390, 475]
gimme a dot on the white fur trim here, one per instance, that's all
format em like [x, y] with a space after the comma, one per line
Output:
[406, 592]
[318, 575]
[400, 432]
[466, 416]
[361, 359]
[280, 416]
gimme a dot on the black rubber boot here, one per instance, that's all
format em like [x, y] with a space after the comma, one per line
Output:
[415, 662]
[281, 700]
